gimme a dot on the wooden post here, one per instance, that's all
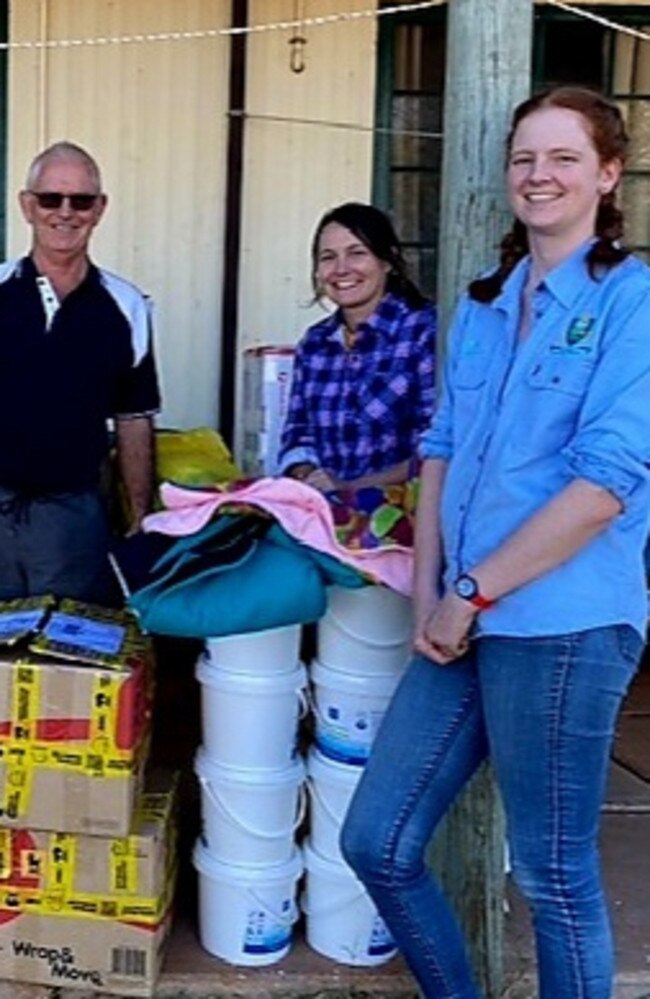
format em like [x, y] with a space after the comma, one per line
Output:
[489, 45]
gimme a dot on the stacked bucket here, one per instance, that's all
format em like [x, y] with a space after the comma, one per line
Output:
[364, 644]
[252, 794]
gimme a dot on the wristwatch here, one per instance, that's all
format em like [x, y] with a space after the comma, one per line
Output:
[467, 588]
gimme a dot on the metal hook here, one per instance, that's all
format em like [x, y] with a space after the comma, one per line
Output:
[297, 58]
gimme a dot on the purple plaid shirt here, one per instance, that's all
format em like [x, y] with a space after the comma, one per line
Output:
[360, 411]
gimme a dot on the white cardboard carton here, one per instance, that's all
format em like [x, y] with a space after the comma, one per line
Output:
[267, 384]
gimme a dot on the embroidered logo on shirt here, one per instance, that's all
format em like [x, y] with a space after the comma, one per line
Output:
[579, 329]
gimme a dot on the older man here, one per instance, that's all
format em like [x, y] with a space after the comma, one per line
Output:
[75, 351]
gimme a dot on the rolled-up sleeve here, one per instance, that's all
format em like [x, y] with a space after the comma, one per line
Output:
[612, 445]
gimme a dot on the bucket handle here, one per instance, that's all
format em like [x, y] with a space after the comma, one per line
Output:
[315, 710]
[301, 808]
[328, 910]
[284, 920]
[313, 790]
[304, 703]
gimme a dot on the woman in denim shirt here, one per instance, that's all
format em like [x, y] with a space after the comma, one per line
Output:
[530, 593]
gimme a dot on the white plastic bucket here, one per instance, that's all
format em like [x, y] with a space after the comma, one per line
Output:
[341, 920]
[250, 721]
[331, 786]
[246, 915]
[276, 650]
[250, 816]
[348, 710]
[365, 631]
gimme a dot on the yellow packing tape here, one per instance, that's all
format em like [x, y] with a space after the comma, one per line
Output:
[21, 752]
[55, 902]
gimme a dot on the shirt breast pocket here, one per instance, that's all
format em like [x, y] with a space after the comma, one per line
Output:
[565, 375]
[469, 383]
[471, 373]
[550, 405]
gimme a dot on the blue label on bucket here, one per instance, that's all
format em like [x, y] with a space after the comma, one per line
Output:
[264, 934]
[342, 750]
[345, 733]
[381, 942]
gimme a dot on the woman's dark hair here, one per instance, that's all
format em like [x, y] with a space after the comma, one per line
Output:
[607, 129]
[375, 230]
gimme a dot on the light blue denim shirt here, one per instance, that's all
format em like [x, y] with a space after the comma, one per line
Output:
[517, 422]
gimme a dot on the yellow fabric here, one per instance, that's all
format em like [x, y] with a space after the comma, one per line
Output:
[196, 457]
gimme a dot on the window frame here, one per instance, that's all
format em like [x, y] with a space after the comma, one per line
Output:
[544, 16]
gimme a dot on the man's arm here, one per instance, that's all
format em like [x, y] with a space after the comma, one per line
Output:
[135, 455]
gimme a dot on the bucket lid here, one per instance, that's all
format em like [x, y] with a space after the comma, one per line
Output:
[349, 609]
[206, 863]
[273, 683]
[336, 870]
[369, 684]
[321, 767]
[254, 636]
[209, 769]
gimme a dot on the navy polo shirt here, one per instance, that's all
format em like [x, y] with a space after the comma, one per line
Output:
[63, 375]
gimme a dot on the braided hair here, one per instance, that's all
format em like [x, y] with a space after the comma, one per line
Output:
[607, 130]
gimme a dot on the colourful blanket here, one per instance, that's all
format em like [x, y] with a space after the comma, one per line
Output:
[369, 529]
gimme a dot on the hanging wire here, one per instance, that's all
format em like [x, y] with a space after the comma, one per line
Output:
[414, 133]
[604, 21]
[296, 23]
[319, 20]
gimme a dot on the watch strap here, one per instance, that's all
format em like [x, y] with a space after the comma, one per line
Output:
[467, 588]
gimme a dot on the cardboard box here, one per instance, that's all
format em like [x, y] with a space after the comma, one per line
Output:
[86, 911]
[74, 736]
[267, 385]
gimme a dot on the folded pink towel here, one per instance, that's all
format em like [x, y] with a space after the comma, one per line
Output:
[301, 510]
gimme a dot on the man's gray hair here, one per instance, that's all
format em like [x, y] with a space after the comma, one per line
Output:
[63, 151]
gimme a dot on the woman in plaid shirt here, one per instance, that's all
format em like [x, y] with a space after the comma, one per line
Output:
[363, 379]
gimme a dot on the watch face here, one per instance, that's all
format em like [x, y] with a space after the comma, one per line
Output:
[466, 587]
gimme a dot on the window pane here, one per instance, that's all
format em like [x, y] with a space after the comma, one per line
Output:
[635, 203]
[567, 50]
[417, 113]
[422, 267]
[414, 159]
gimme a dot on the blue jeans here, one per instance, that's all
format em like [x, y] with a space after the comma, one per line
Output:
[544, 711]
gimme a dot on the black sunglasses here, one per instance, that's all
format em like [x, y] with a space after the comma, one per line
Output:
[53, 199]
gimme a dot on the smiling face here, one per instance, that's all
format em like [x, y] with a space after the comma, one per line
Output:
[349, 273]
[555, 176]
[62, 234]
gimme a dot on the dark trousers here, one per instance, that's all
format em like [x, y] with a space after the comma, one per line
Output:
[55, 544]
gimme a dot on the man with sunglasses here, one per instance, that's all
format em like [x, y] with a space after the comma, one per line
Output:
[75, 352]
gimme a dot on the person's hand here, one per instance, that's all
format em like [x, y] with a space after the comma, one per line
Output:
[444, 636]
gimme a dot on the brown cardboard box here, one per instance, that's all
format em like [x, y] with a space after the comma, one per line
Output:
[87, 911]
[73, 734]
